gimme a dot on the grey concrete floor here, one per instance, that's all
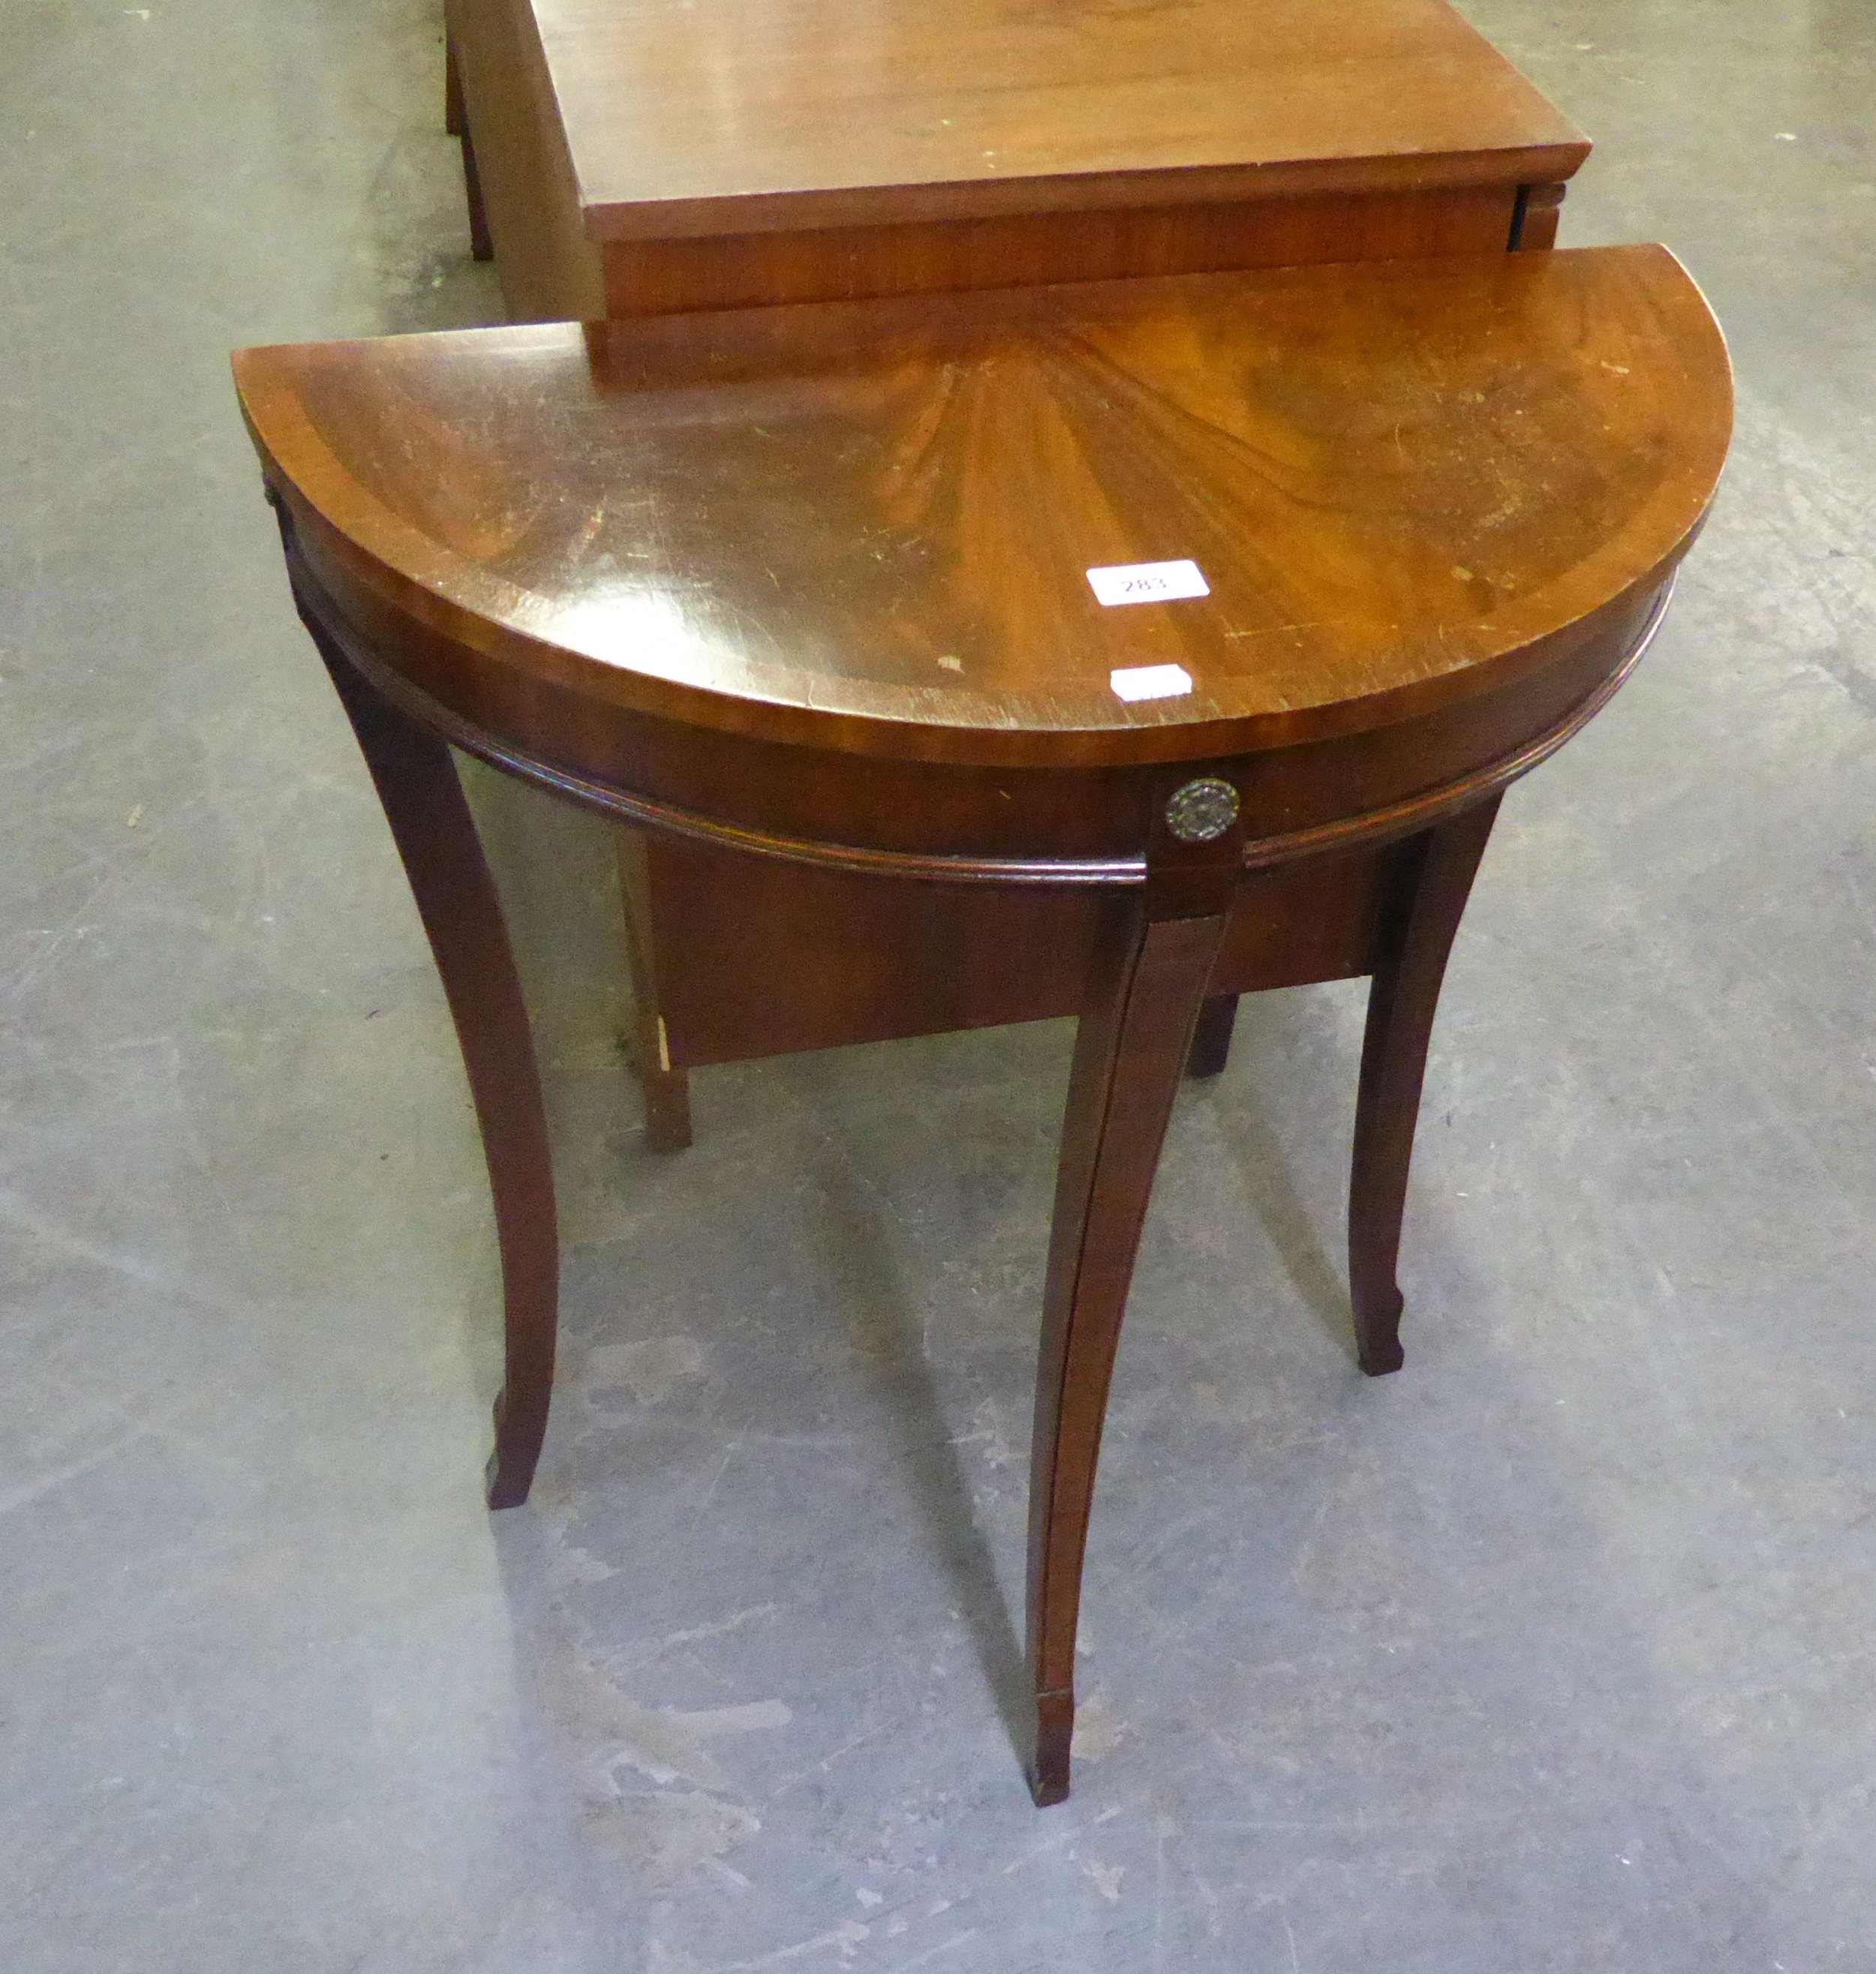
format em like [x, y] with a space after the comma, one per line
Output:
[1554, 1652]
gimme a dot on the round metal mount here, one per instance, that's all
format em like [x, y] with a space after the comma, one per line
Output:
[1202, 810]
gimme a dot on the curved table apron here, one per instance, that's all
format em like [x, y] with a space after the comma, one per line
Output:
[1193, 859]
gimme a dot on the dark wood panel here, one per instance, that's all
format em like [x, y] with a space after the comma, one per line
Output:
[759, 960]
[651, 278]
[1308, 921]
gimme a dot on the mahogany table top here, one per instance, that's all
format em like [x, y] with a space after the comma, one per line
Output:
[869, 527]
[708, 117]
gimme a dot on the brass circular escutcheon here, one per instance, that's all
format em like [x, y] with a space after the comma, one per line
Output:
[1202, 810]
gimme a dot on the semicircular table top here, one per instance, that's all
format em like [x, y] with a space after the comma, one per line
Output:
[1381, 488]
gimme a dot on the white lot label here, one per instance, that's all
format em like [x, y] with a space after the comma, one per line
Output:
[1151, 681]
[1148, 582]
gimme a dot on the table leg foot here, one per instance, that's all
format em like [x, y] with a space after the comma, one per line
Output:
[510, 1474]
[1211, 1040]
[1377, 1335]
[667, 1108]
[1423, 918]
[1048, 1771]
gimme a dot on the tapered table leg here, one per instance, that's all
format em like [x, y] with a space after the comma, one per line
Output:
[449, 877]
[1131, 1053]
[1423, 916]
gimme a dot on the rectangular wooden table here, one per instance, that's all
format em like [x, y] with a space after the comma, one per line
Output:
[636, 157]
[641, 156]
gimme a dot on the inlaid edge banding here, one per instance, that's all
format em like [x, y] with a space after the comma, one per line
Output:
[1402, 818]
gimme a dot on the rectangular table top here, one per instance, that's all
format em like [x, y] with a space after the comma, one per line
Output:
[700, 117]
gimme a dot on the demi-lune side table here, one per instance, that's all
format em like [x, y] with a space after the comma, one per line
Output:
[1197, 622]
[636, 157]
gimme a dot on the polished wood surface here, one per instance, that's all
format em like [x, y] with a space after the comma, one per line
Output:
[722, 153]
[731, 116]
[661, 158]
[807, 589]
[868, 529]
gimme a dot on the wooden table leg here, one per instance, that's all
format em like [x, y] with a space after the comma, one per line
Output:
[667, 1090]
[1423, 917]
[452, 88]
[456, 122]
[481, 244]
[1211, 1040]
[1131, 1051]
[456, 899]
